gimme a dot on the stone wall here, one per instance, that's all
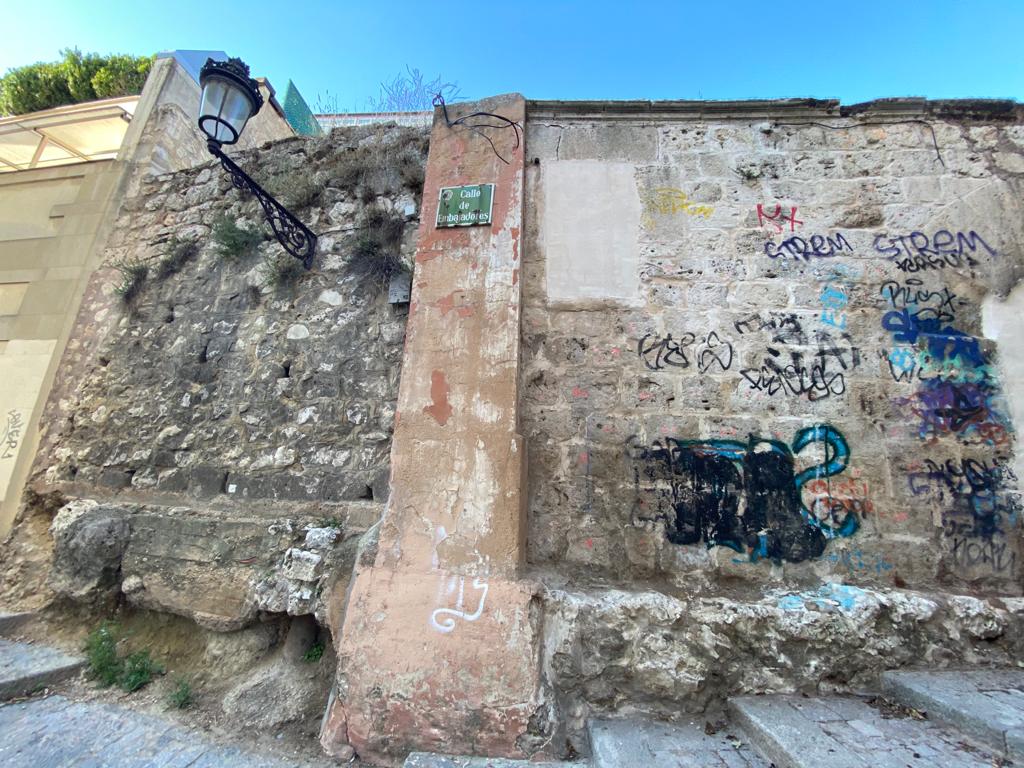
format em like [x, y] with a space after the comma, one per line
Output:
[236, 402]
[754, 347]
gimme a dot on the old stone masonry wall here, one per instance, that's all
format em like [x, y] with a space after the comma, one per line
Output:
[217, 402]
[759, 346]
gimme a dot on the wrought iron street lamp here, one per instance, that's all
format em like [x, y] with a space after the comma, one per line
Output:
[230, 97]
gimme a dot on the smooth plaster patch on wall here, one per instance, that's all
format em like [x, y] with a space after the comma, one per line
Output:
[23, 366]
[11, 296]
[589, 223]
[1003, 321]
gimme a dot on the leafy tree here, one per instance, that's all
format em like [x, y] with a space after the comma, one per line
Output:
[77, 77]
[80, 70]
[121, 76]
[35, 87]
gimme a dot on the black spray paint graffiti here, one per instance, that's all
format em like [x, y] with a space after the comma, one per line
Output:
[745, 496]
[922, 303]
[785, 328]
[659, 353]
[984, 508]
[11, 434]
[985, 487]
[818, 376]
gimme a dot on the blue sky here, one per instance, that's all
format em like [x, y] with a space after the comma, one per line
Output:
[338, 51]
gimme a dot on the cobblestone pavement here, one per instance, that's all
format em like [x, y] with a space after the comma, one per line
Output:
[53, 732]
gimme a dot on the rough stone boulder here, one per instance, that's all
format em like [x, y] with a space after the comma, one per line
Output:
[217, 567]
[89, 540]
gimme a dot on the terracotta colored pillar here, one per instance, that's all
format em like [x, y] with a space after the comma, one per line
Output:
[440, 641]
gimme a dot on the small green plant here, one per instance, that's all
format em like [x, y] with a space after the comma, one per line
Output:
[376, 256]
[280, 270]
[176, 256]
[234, 242]
[101, 654]
[108, 669]
[138, 671]
[314, 654]
[180, 696]
[133, 277]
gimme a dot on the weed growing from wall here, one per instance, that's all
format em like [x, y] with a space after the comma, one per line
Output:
[280, 271]
[297, 190]
[133, 277]
[314, 654]
[234, 242]
[177, 254]
[376, 256]
[377, 168]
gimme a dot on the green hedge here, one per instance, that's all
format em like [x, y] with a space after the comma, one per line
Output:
[77, 77]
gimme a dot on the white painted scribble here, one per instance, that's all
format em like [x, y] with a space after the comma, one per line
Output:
[447, 624]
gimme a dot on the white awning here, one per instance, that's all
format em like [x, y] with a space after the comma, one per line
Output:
[77, 133]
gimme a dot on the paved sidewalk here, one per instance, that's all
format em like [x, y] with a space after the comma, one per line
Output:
[54, 732]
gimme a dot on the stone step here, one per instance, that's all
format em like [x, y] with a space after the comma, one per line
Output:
[434, 760]
[55, 731]
[845, 732]
[25, 668]
[652, 744]
[12, 622]
[987, 705]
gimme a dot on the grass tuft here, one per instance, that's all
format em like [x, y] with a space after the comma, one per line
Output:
[314, 654]
[177, 255]
[376, 256]
[181, 696]
[133, 278]
[108, 669]
[234, 242]
[281, 271]
[138, 671]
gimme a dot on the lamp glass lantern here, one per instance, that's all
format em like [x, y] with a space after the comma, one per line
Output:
[230, 97]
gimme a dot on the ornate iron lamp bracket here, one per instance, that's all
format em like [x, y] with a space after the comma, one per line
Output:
[294, 236]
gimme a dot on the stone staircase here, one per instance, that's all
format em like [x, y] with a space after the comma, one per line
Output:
[952, 719]
[25, 669]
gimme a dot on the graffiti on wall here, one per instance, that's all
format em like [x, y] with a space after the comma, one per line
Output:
[778, 219]
[712, 353]
[668, 201]
[817, 375]
[816, 246]
[747, 496]
[917, 252]
[10, 434]
[980, 507]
